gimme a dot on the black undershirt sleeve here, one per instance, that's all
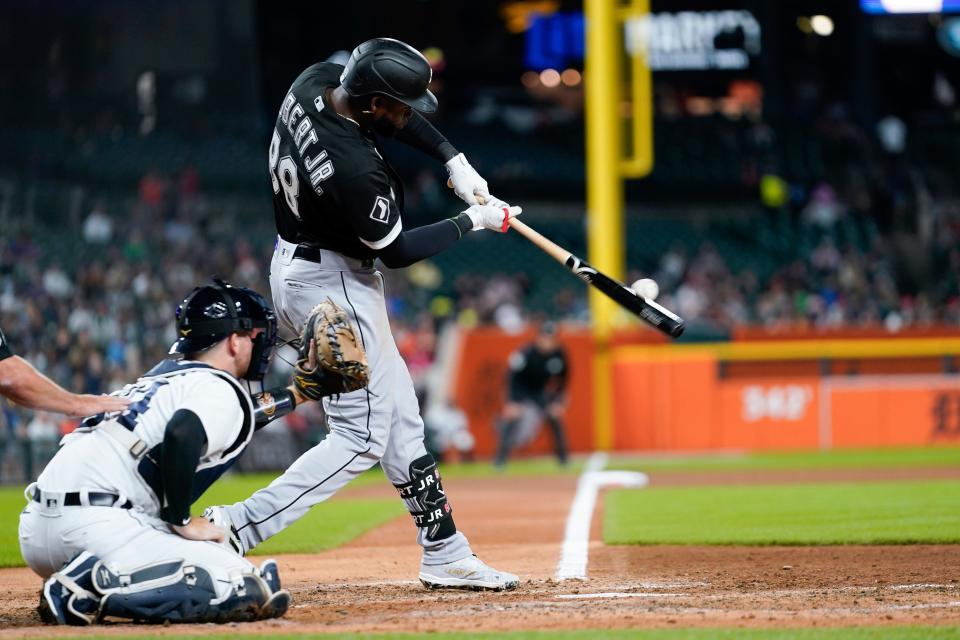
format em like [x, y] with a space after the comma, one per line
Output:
[429, 240]
[420, 134]
[5, 351]
[183, 443]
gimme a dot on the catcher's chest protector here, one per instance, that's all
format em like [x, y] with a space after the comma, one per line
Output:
[155, 398]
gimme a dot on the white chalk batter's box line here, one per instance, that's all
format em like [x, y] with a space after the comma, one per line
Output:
[576, 539]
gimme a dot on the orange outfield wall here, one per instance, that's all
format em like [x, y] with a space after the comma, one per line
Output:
[678, 401]
[670, 398]
[894, 410]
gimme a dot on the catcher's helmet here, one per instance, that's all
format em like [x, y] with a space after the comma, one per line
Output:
[214, 311]
[389, 67]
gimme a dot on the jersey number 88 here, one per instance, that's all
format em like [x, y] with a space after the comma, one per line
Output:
[283, 174]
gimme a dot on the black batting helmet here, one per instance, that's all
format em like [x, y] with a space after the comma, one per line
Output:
[214, 311]
[389, 67]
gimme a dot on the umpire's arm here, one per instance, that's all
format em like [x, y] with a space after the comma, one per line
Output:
[27, 387]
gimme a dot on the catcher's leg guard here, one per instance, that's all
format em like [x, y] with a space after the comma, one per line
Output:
[172, 591]
[426, 500]
[156, 593]
[68, 597]
[279, 600]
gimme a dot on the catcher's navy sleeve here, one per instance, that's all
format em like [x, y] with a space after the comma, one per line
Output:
[5, 351]
[183, 443]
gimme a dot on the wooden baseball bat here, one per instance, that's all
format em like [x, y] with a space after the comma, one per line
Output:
[657, 316]
[660, 318]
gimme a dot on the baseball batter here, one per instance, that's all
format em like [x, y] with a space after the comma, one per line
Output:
[108, 522]
[338, 206]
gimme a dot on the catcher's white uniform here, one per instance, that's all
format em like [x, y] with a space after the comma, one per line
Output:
[97, 496]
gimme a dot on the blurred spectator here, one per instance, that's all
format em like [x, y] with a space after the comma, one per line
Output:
[892, 133]
[823, 208]
[42, 435]
[98, 227]
[153, 189]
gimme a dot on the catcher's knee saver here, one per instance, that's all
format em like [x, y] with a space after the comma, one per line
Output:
[68, 596]
[156, 593]
[426, 500]
[172, 591]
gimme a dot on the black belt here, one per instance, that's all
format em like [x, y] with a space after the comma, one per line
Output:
[94, 498]
[313, 254]
[308, 253]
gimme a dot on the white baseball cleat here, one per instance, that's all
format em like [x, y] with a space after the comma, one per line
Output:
[219, 517]
[469, 573]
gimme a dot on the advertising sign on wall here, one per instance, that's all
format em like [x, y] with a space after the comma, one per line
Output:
[674, 41]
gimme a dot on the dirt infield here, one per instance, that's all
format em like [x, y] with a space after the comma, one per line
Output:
[518, 524]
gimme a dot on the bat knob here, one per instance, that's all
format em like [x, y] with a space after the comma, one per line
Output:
[677, 331]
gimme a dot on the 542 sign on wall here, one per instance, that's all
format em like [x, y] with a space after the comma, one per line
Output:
[787, 402]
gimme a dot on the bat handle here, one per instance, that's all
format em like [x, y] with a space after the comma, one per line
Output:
[480, 199]
[536, 238]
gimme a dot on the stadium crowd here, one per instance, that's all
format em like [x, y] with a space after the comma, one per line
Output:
[91, 306]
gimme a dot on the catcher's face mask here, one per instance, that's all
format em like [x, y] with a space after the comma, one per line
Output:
[263, 344]
[212, 312]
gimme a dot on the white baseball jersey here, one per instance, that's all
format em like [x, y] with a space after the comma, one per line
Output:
[92, 459]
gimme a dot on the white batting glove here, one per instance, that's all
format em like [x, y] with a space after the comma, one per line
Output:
[465, 181]
[493, 216]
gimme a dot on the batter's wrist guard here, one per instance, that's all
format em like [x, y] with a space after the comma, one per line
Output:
[273, 404]
[463, 222]
[426, 499]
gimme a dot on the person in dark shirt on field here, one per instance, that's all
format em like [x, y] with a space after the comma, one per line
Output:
[536, 392]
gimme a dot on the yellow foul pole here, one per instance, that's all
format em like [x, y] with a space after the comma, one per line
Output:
[604, 193]
[606, 169]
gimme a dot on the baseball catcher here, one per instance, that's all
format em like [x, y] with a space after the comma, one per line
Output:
[108, 524]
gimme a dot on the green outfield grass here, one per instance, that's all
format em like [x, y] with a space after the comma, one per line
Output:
[906, 518]
[326, 526]
[521, 467]
[836, 459]
[807, 514]
[862, 633]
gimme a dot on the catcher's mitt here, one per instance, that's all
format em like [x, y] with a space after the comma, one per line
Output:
[331, 359]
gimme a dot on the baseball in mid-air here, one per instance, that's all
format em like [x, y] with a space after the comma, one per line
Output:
[646, 288]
